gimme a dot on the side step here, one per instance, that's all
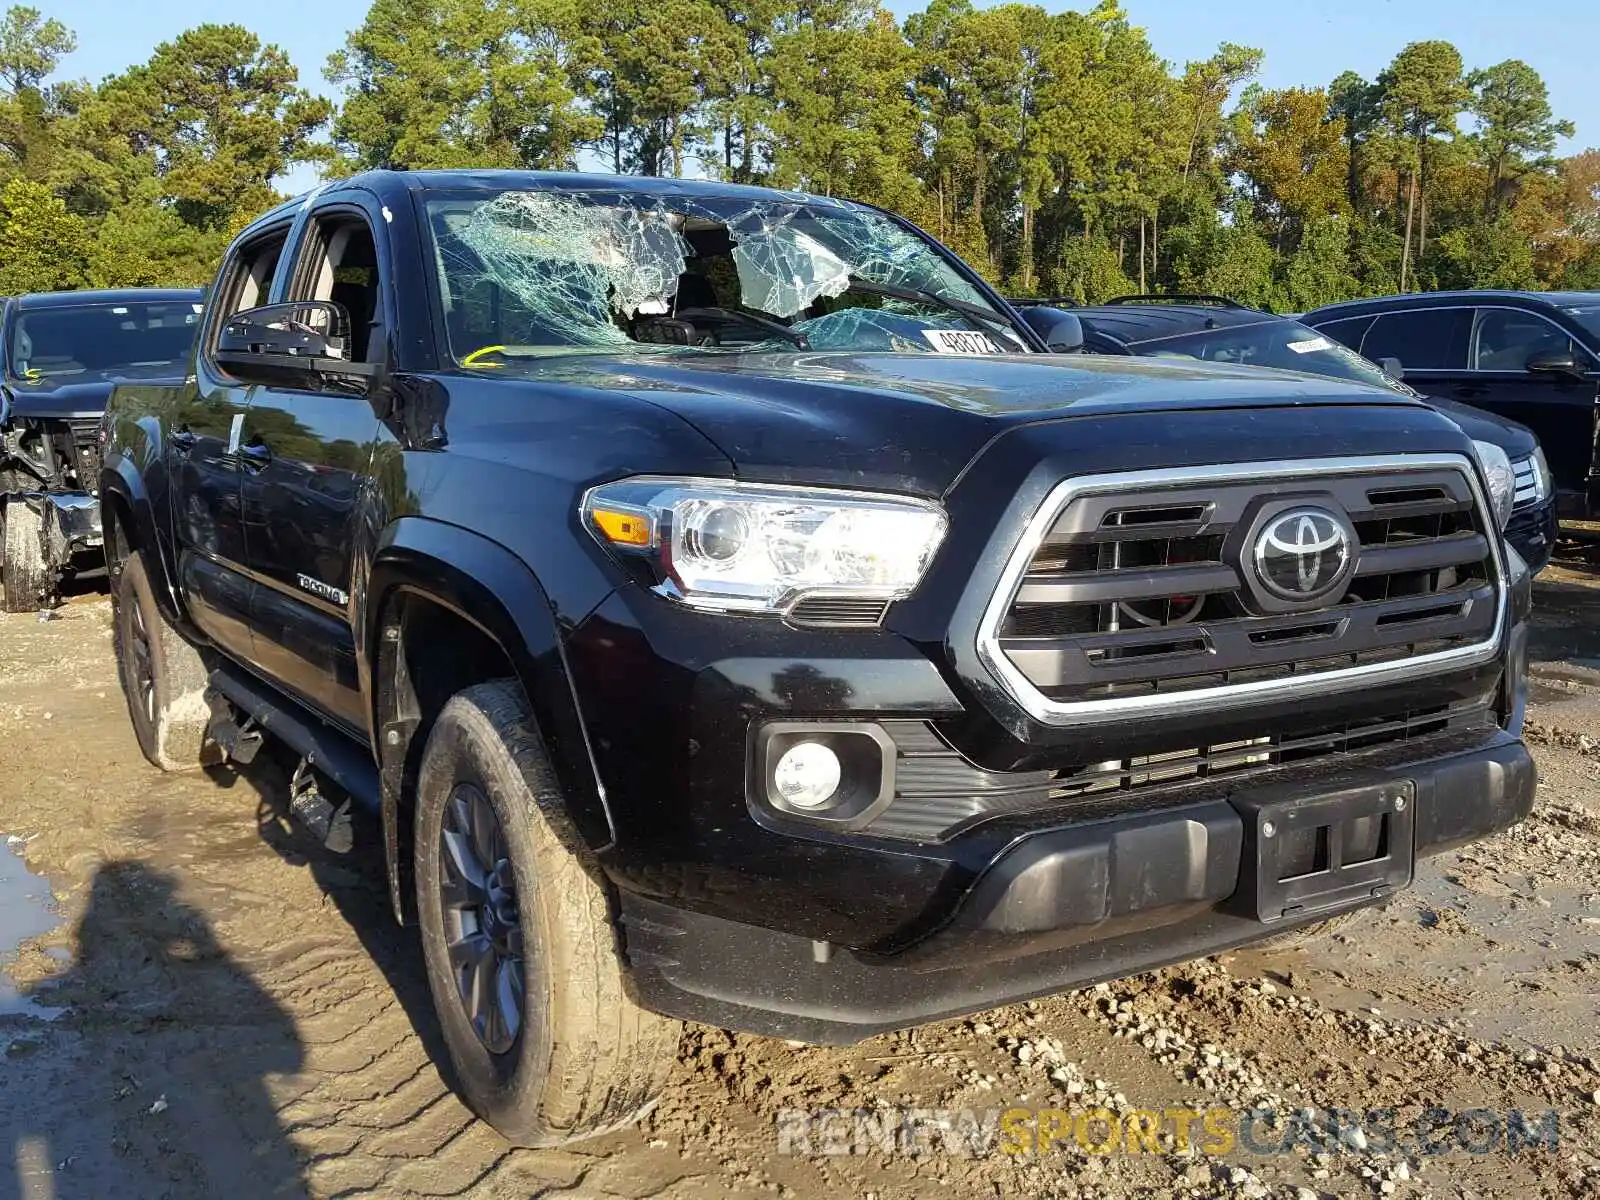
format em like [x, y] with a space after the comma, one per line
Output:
[267, 711]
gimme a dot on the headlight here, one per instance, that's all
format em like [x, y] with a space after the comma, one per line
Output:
[1544, 483]
[756, 548]
[1502, 484]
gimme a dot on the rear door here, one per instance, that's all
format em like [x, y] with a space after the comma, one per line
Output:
[1558, 407]
[305, 459]
[203, 435]
[1430, 343]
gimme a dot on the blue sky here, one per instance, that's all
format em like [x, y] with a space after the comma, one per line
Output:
[1307, 42]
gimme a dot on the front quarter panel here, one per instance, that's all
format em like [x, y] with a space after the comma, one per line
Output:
[134, 470]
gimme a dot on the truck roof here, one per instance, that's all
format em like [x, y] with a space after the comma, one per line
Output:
[647, 185]
[108, 296]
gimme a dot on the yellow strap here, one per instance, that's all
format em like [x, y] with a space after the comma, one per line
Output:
[471, 360]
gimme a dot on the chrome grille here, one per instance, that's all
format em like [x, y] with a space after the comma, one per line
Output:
[1128, 592]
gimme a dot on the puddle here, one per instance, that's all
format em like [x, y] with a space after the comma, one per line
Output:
[26, 910]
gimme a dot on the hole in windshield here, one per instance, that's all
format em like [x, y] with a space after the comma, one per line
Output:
[530, 273]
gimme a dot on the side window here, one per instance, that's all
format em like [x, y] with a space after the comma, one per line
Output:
[247, 280]
[1347, 332]
[1506, 339]
[1429, 339]
[341, 265]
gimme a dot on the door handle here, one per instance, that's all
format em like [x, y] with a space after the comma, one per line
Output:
[1471, 390]
[183, 440]
[255, 456]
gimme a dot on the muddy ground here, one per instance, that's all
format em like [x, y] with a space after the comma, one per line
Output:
[219, 1010]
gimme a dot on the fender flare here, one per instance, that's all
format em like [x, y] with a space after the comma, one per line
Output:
[123, 491]
[489, 587]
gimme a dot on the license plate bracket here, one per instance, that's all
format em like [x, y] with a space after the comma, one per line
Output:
[1306, 855]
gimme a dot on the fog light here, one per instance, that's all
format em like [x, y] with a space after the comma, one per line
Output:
[807, 775]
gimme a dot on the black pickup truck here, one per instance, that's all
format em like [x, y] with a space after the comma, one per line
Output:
[60, 355]
[736, 613]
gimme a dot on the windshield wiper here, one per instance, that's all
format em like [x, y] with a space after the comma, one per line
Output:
[976, 312]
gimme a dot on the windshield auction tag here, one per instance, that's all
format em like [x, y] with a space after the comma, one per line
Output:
[960, 341]
[1310, 344]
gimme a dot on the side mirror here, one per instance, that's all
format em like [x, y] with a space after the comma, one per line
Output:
[1393, 368]
[1554, 362]
[1061, 330]
[301, 344]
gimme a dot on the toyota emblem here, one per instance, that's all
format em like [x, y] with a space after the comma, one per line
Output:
[1304, 555]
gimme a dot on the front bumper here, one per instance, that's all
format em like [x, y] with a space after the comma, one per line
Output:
[1065, 907]
[69, 523]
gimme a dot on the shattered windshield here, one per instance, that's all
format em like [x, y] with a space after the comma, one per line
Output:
[1284, 345]
[101, 339]
[540, 272]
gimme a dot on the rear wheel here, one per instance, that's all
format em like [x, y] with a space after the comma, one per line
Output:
[26, 575]
[518, 937]
[163, 677]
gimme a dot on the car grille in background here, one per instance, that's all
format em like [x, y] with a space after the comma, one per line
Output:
[1130, 594]
[1526, 475]
[938, 793]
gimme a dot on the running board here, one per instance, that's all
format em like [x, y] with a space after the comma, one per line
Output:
[342, 760]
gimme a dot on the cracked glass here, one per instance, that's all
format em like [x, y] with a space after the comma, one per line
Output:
[528, 272]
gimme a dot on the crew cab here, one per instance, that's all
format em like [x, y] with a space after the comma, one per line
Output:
[736, 613]
[60, 354]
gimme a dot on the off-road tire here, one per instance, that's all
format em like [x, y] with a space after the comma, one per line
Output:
[171, 717]
[22, 564]
[587, 1060]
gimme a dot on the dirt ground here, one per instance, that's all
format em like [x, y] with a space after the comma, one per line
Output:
[217, 1010]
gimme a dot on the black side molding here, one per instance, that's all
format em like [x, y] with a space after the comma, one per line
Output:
[347, 764]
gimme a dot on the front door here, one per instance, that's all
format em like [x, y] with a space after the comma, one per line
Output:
[1558, 406]
[203, 435]
[305, 459]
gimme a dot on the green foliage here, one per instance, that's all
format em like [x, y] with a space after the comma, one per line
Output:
[1088, 272]
[42, 245]
[1320, 271]
[1056, 151]
[448, 83]
[1489, 254]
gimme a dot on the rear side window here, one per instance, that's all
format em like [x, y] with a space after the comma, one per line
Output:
[1507, 339]
[1430, 339]
[1347, 332]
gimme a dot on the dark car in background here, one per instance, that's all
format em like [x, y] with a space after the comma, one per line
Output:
[61, 354]
[1531, 356]
[1215, 329]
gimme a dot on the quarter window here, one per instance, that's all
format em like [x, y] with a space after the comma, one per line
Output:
[1507, 339]
[1430, 339]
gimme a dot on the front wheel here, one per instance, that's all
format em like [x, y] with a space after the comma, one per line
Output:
[518, 938]
[22, 564]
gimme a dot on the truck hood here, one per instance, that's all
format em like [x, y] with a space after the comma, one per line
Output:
[913, 421]
[77, 395]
